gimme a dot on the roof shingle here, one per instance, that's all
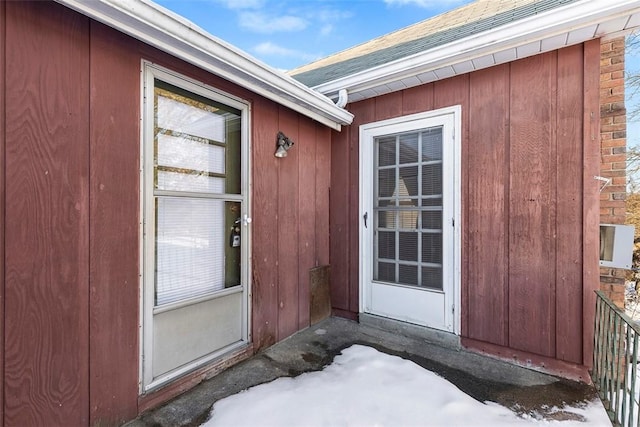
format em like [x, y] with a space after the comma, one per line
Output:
[471, 19]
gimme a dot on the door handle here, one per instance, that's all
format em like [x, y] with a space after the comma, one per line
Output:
[365, 216]
[246, 220]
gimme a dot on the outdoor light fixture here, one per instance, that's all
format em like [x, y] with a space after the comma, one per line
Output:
[283, 143]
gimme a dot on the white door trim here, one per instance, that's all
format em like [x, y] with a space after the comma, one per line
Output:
[452, 187]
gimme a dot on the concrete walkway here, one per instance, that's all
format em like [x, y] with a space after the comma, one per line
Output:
[483, 378]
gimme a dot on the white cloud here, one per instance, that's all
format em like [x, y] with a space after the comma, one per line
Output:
[272, 49]
[326, 29]
[438, 4]
[262, 23]
[242, 4]
[331, 15]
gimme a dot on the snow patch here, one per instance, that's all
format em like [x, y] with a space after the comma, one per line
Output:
[364, 387]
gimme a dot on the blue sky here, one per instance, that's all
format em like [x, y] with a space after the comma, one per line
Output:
[289, 33]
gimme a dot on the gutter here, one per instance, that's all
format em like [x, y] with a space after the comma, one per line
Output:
[171, 33]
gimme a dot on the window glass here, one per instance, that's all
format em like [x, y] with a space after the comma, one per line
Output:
[197, 170]
[197, 141]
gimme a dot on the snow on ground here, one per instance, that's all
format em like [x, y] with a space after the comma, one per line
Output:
[364, 387]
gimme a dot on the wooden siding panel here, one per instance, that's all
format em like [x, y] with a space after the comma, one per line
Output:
[323, 182]
[453, 91]
[306, 146]
[569, 206]
[47, 237]
[487, 217]
[288, 228]
[339, 225]
[114, 210]
[531, 241]
[2, 200]
[388, 106]
[417, 99]
[265, 225]
[590, 197]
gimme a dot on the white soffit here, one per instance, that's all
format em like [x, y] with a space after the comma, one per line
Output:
[557, 28]
[169, 32]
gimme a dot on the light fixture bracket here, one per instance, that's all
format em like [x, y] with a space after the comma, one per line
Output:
[283, 144]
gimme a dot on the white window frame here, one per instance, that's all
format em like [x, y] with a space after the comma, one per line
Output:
[150, 72]
[408, 123]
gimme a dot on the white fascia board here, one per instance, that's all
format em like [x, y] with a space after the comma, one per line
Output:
[169, 32]
[549, 24]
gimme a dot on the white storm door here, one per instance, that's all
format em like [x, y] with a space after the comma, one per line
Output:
[409, 206]
[196, 224]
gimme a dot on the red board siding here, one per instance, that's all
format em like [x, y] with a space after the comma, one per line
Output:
[568, 212]
[323, 181]
[2, 200]
[590, 205]
[47, 240]
[388, 106]
[288, 229]
[487, 215]
[114, 246]
[291, 214]
[417, 99]
[340, 226]
[306, 146]
[525, 279]
[531, 205]
[265, 225]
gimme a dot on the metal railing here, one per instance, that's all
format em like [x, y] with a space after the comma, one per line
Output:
[615, 362]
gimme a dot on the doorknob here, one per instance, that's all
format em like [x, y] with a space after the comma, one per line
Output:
[246, 219]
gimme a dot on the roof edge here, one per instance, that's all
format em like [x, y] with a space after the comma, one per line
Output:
[165, 30]
[574, 15]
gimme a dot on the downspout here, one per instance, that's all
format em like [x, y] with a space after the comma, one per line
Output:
[343, 98]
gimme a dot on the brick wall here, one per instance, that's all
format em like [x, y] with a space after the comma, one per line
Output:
[613, 143]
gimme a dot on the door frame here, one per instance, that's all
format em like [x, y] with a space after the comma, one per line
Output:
[400, 124]
[150, 71]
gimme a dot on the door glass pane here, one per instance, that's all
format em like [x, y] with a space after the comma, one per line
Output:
[408, 274]
[432, 248]
[189, 248]
[408, 181]
[408, 148]
[386, 182]
[197, 149]
[386, 272]
[387, 219]
[432, 144]
[408, 207]
[387, 245]
[408, 246]
[432, 179]
[387, 151]
[197, 141]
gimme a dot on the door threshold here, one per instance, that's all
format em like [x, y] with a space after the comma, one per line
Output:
[179, 385]
[430, 335]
